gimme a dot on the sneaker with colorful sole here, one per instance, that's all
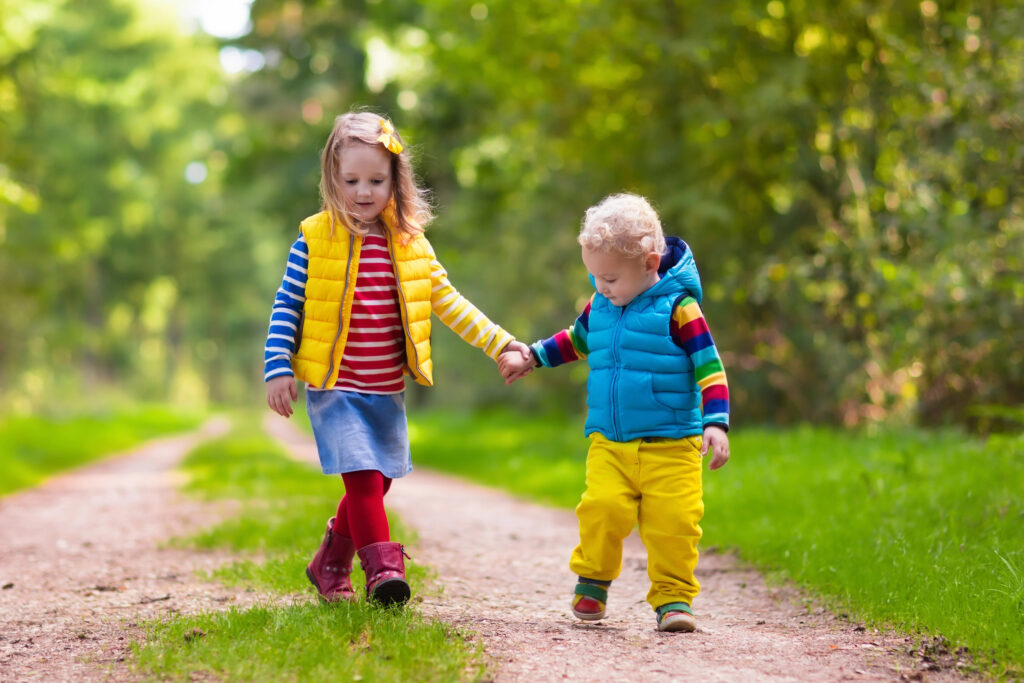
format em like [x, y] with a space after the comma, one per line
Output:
[589, 600]
[676, 616]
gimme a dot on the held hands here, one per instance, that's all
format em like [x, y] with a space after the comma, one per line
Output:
[281, 393]
[717, 441]
[515, 361]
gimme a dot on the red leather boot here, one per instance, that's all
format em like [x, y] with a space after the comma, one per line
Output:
[329, 571]
[385, 573]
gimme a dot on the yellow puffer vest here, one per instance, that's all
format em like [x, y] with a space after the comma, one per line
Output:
[333, 266]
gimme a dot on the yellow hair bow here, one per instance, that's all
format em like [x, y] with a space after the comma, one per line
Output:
[387, 138]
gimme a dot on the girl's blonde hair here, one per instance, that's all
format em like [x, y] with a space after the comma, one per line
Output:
[624, 223]
[409, 201]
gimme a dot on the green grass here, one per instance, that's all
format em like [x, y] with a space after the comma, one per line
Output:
[284, 506]
[923, 531]
[34, 448]
[540, 458]
[305, 642]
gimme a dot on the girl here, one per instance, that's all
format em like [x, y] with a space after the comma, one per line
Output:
[351, 317]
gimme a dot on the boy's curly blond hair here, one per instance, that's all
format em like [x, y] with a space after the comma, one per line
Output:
[624, 223]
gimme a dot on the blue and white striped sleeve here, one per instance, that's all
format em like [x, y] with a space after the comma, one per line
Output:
[286, 313]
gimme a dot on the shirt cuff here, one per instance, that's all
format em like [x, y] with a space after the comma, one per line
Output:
[537, 351]
[271, 373]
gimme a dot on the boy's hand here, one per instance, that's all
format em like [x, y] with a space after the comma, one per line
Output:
[515, 361]
[717, 440]
[281, 393]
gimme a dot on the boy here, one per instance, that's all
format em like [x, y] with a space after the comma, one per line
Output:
[657, 400]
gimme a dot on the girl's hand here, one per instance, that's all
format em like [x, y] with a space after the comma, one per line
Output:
[717, 440]
[515, 361]
[281, 393]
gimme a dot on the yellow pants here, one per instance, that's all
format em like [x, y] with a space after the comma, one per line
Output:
[656, 484]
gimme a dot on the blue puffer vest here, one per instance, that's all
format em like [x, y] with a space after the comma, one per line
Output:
[641, 383]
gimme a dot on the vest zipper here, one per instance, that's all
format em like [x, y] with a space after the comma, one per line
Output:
[341, 312]
[403, 313]
[612, 405]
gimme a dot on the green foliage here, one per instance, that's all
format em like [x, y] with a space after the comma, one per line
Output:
[283, 505]
[845, 173]
[114, 266]
[921, 530]
[34, 448]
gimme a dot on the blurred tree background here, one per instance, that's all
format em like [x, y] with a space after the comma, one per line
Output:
[848, 175]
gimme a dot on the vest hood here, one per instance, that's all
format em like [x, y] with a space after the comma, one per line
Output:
[678, 271]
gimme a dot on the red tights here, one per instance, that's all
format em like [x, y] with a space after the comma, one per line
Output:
[361, 511]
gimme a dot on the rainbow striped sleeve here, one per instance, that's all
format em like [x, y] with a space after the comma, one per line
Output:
[690, 331]
[567, 345]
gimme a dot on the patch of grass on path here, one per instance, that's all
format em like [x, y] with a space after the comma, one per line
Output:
[306, 642]
[34, 448]
[920, 530]
[284, 507]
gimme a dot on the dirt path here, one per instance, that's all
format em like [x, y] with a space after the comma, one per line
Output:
[502, 564]
[80, 565]
[80, 562]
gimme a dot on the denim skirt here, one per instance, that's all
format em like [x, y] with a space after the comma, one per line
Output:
[357, 431]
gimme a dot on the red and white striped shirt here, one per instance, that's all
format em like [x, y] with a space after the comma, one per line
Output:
[375, 351]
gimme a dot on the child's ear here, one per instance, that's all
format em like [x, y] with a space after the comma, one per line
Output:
[652, 261]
